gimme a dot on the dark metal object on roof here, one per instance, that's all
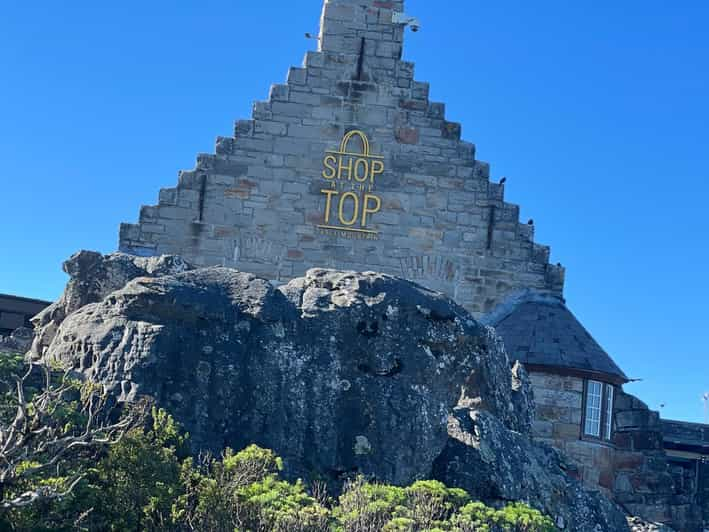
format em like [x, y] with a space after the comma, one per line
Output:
[540, 331]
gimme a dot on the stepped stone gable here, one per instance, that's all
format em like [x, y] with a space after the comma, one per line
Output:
[350, 165]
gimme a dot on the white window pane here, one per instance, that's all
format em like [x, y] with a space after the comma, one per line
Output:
[609, 411]
[594, 395]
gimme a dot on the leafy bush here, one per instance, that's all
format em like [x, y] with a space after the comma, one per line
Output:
[242, 491]
[517, 517]
[427, 506]
[147, 481]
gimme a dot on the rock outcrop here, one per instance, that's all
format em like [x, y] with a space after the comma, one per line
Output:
[92, 276]
[338, 372]
[483, 457]
[19, 341]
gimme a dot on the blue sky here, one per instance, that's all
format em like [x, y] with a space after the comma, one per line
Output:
[596, 112]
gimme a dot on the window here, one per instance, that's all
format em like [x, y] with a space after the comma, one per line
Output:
[594, 391]
[609, 412]
[598, 410]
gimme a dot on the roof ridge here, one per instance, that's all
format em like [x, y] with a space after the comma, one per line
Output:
[539, 329]
[526, 295]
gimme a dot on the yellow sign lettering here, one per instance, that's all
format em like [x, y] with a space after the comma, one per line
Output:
[328, 202]
[329, 162]
[361, 164]
[377, 169]
[367, 210]
[355, 208]
[353, 175]
[341, 167]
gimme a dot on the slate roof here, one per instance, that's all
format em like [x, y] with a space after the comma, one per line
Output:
[538, 329]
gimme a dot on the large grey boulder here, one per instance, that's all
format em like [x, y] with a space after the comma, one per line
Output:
[92, 276]
[338, 372]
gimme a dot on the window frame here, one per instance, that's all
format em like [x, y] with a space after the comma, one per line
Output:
[608, 403]
[606, 407]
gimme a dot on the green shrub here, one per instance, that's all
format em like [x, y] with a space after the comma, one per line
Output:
[148, 482]
[517, 517]
[365, 506]
[279, 506]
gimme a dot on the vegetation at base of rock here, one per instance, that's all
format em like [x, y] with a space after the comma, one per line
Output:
[46, 418]
[148, 481]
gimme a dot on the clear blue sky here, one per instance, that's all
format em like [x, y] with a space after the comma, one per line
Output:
[597, 113]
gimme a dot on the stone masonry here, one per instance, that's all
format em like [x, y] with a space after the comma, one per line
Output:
[403, 194]
[559, 409]
[633, 470]
[646, 483]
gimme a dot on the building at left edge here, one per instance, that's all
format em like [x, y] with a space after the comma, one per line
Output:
[16, 312]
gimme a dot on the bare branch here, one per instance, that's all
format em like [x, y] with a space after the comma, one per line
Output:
[43, 493]
[35, 440]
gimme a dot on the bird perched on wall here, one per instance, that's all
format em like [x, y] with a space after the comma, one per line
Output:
[503, 181]
[530, 222]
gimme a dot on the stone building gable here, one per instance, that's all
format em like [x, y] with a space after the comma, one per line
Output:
[419, 206]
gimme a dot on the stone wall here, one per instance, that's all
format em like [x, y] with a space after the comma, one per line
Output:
[646, 482]
[634, 470]
[559, 410]
[687, 447]
[415, 204]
